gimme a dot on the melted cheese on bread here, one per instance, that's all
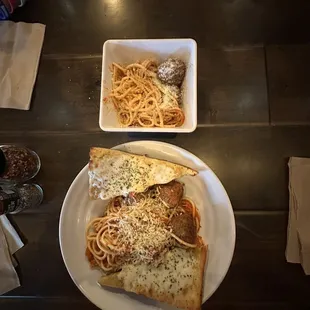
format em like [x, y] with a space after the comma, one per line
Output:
[178, 280]
[114, 173]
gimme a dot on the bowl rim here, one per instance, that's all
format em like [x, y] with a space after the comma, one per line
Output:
[188, 129]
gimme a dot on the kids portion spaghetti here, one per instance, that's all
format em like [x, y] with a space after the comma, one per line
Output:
[140, 99]
[136, 230]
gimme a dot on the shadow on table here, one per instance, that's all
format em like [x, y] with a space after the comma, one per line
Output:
[141, 299]
[151, 136]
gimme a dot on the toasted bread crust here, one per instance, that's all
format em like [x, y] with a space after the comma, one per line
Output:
[131, 173]
[189, 298]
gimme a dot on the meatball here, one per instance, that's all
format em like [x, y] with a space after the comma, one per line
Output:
[184, 227]
[171, 193]
[171, 71]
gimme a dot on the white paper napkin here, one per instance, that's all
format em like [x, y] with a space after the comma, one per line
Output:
[20, 49]
[298, 230]
[9, 244]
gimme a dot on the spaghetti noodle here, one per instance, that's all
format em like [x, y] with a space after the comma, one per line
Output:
[135, 232]
[140, 99]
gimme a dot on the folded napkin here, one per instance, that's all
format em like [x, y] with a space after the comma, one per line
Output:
[298, 230]
[20, 49]
[9, 244]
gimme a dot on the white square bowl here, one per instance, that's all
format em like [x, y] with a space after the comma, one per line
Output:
[129, 51]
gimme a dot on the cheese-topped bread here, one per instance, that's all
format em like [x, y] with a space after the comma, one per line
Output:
[114, 173]
[177, 281]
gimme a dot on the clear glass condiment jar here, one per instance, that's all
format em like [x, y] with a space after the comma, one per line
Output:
[23, 196]
[18, 164]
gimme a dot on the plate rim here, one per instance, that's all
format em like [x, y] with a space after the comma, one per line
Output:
[175, 147]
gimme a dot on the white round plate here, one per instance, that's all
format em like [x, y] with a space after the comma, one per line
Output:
[205, 189]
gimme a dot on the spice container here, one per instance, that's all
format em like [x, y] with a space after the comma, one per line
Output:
[18, 164]
[20, 197]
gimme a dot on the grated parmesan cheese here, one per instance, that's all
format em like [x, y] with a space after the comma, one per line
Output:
[168, 91]
[143, 229]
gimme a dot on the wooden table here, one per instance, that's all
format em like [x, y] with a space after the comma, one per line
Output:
[253, 113]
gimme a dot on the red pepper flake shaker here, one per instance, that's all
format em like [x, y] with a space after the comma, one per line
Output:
[18, 164]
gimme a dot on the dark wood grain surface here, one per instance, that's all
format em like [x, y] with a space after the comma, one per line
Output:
[289, 92]
[82, 26]
[253, 114]
[232, 86]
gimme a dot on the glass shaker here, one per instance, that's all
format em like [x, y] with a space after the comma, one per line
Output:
[20, 197]
[18, 164]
